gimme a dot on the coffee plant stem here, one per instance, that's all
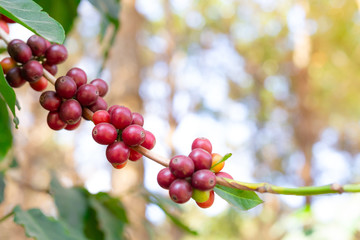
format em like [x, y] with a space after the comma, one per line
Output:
[6, 216]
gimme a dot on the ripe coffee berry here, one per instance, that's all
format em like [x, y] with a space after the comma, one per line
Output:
[71, 127]
[50, 68]
[133, 135]
[70, 111]
[112, 108]
[134, 155]
[137, 118]
[117, 153]
[40, 85]
[101, 116]
[202, 159]
[6, 19]
[65, 87]
[14, 78]
[19, 51]
[56, 54]
[78, 75]
[101, 85]
[121, 117]
[50, 100]
[37, 45]
[224, 175]
[203, 180]
[87, 94]
[209, 202]
[7, 64]
[181, 166]
[180, 191]
[149, 141]
[32, 71]
[104, 133]
[54, 121]
[215, 167]
[203, 143]
[119, 166]
[165, 178]
[100, 104]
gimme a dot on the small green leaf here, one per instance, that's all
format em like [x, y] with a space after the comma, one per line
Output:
[226, 157]
[2, 186]
[243, 200]
[5, 130]
[41, 227]
[8, 95]
[30, 15]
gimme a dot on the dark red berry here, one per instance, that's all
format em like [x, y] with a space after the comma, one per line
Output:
[37, 45]
[54, 121]
[73, 126]
[104, 133]
[203, 143]
[180, 191]
[101, 116]
[121, 117]
[209, 202]
[87, 94]
[112, 108]
[32, 71]
[7, 64]
[50, 68]
[70, 111]
[40, 85]
[19, 51]
[224, 175]
[117, 152]
[137, 118]
[65, 87]
[149, 141]
[202, 159]
[100, 104]
[133, 135]
[101, 85]
[6, 19]
[14, 77]
[181, 166]
[56, 54]
[165, 178]
[48, 44]
[134, 155]
[50, 100]
[78, 75]
[203, 179]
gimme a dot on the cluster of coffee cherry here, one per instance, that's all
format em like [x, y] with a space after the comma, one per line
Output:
[193, 176]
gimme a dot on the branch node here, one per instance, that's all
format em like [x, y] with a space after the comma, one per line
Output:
[337, 188]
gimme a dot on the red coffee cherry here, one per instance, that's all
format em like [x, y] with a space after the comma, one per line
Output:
[209, 202]
[54, 121]
[134, 155]
[100, 104]
[37, 45]
[180, 191]
[203, 180]
[181, 166]
[101, 116]
[165, 178]
[202, 159]
[65, 87]
[50, 100]
[224, 175]
[149, 141]
[78, 75]
[56, 54]
[70, 111]
[73, 126]
[14, 78]
[87, 94]
[7, 64]
[112, 108]
[40, 85]
[117, 152]
[4, 26]
[121, 117]
[19, 51]
[104, 133]
[32, 71]
[50, 68]
[137, 118]
[101, 85]
[119, 165]
[133, 135]
[203, 143]
[6, 19]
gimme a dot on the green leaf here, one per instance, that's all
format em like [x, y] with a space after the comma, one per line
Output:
[243, 200]
[226, 157]
[30, 15]
[41, 227]
[8, 95]
[2, 186]
[63, 11]
[108, 8]
[5, 130]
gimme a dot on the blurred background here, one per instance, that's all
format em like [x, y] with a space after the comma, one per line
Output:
[276, 83]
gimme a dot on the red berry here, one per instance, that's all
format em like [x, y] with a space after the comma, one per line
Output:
[119, 165]
[165, 178]
[19, 51]
[56, 54]
[149, 141]
[7, 64]
[224, 175]
[203, 143]
[37, 45]
[4, 26]
[134, 155]
[54, 121]
[203, 180]
[117, 152]
[6, 19]
[100, 104]
[202, 159]
[65, 87]
[101, 85]
[50, 100]
[73, 126]
[50, 68]
[112, 108]
[40, 85]
[181, 166]
[78, 75]
[87, 94]
[101, 116]
[32, 71]
[209, 202]
[137, 118]
[70, 111]
[14, 77]
[180, 191]
[133, 135]
[104, 133]
[121, 117]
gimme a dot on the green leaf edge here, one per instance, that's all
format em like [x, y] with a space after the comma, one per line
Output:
[226, 157]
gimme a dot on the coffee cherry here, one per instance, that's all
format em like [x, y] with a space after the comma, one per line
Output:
[118, 165]
[54, 121]
[101, 85]
[121, 117]
[165, 178]
[203, 143]
[65, 87]
[71, 127]
[203, 180]
[56, 54]
[137, 118]
[4, 26]
[112, 108]
[200, 196]
[117, 152]
[14, 77]
[87, 94]
[50, 68]
[209, 202]
[100, 104]
[202, 159]
[181, 166]
[149, 141]
[215, 159]
[180, 191]
[78, 75]
[133, 135]
[104, 133]
[32, 71]
[19, 51]
[6, 19]
[7, 64]
[37, 45]
[101, 116]
[134, 155]
[224, 175]
[40, 85]
[50, 100]
[70, 111]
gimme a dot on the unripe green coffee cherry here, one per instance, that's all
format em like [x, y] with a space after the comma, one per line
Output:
[200, 196]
